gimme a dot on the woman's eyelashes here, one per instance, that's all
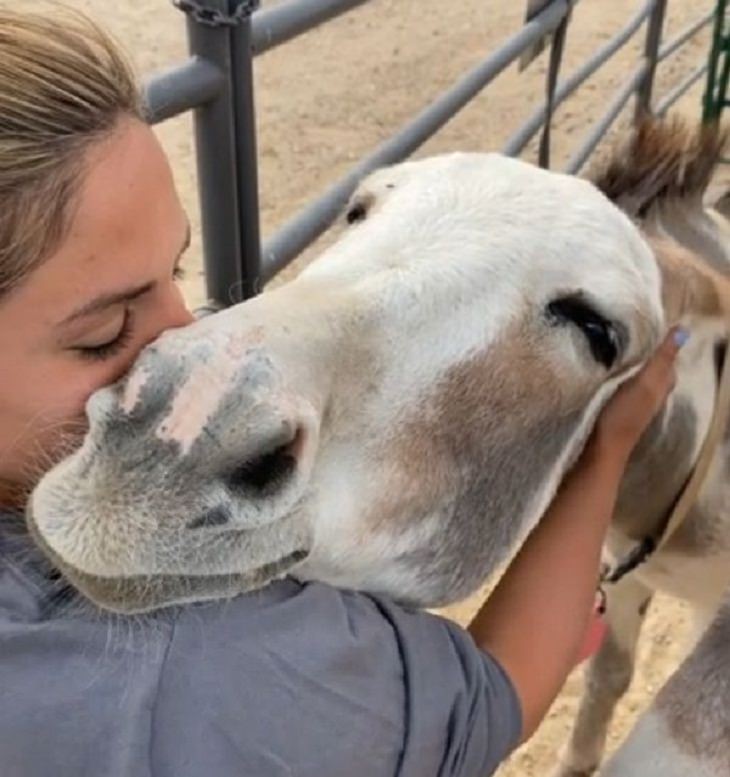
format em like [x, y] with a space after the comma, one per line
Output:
[112, 347]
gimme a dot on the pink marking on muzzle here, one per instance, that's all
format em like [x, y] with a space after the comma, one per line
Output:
[133, 390]
[198, 399]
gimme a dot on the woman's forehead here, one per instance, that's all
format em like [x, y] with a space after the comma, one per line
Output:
[126, 221]
[127, 193]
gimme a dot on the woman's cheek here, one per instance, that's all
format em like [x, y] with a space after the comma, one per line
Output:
[78, 385]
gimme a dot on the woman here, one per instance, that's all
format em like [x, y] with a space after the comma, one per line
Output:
[290, 680]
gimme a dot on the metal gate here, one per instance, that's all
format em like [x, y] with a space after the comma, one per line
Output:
[217, 83]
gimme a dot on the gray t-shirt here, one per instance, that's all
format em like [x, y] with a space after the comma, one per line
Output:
[290, 681]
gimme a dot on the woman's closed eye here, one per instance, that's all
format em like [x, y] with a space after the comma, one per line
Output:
[103, 345]
[110, 346]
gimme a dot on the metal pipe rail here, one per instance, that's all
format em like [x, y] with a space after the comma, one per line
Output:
[315, 218]
[195, 82]
[277, 25]
[683, 86]
[182, 88]
[599, 129]
[527, 131]
[687, 34]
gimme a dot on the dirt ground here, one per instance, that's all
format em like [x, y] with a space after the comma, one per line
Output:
[328, 97]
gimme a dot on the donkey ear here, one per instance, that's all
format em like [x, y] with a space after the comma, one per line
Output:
[690, 287]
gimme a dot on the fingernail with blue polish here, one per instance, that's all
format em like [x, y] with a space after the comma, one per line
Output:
[680, 337]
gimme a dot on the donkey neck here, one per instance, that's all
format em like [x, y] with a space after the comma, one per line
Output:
[664, 458]
[693, 227]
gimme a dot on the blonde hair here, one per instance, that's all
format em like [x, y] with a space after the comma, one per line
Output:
[64, 85]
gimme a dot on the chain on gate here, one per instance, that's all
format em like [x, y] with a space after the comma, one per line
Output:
[212, 17]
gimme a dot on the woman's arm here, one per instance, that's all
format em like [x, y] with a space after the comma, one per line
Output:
[535, 621]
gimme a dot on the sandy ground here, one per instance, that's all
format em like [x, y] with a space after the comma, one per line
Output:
[330, 96]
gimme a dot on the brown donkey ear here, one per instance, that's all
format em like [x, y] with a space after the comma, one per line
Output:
[690, 287]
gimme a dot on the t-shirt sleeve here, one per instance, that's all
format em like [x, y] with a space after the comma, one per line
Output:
[462, 711]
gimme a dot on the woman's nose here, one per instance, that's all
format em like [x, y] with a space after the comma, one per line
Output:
[170, 312]
[176, 311]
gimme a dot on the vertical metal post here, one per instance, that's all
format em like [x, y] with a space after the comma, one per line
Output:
[551, 84]
[722, 86]
[711, 102]
[651, 54]
[219, 31]
[246, 153]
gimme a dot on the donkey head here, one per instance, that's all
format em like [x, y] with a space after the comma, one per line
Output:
[391, 420]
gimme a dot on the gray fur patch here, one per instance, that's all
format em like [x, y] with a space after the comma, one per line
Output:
[657, 471]
[696, 700]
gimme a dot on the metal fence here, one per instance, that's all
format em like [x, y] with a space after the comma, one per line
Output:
[217, 82]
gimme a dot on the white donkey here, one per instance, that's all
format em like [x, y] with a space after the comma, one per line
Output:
[401, 414]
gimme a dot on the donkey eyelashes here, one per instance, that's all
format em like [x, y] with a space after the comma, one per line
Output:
[603, 336]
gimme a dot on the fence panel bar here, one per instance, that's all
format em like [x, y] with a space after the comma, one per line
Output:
[526, 132]
[672, 97]
[273, 26]
[306, 226]
[688, 32]
[600, 128]
[651, 54]
[181, 88]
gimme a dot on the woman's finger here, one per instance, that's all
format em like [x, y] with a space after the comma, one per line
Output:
[662, 362]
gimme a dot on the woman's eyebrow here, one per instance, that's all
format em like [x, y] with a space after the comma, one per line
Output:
[104, 301]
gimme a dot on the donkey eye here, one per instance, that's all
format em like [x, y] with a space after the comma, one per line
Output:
[601, 334]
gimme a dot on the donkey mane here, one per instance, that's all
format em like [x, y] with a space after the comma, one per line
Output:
[660, 161]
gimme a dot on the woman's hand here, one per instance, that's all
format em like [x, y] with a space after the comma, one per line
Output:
[632, 408]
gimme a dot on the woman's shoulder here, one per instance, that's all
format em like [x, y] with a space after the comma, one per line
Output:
[334, 681]
[292, 674]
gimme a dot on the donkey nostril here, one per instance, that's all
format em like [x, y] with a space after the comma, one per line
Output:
[264, 474]
[268, 471]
